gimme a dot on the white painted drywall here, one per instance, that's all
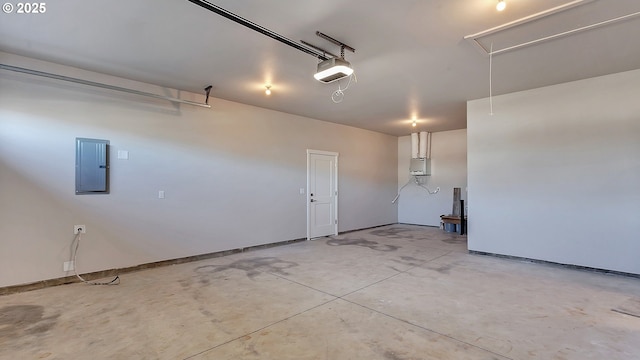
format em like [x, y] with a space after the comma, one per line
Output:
[554, 174]
[448, 170]
[231, 174]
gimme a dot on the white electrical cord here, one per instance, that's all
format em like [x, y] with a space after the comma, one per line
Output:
[429, 191]
[415, 180]
[76, 240]
[399, 191]
[338, 95]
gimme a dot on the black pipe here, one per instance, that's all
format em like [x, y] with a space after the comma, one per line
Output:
[255, 27]
[463, 223]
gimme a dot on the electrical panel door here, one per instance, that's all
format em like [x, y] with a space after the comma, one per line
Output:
[92, 166]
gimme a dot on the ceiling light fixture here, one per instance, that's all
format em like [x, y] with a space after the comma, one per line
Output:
[501, 5]
[414, 123]
[332, 70]
[268, 91]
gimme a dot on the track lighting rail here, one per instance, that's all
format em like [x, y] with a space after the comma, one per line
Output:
[258, 28]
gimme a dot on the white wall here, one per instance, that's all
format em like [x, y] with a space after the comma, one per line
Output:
[231, 174]
[448, 170]
[554, 174]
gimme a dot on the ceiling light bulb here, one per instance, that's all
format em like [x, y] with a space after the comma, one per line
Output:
[414, 123]
[501, 5]
[268, 91]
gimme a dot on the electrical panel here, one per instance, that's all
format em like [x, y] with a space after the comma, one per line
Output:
[92, 166]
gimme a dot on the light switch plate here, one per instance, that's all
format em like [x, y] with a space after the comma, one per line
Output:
[123, 154]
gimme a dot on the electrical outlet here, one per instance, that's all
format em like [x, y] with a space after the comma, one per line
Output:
[68, 266]
[79, 229]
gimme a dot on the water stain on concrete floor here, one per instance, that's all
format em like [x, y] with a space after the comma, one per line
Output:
[409, 261]
[392, 233]
[455, 240]
[19, 320]
[404, 234]
[630, 307]
[364, 243]
[252, 267]
[442, 269]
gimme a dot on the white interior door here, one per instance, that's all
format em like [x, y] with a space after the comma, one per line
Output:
[322, 193]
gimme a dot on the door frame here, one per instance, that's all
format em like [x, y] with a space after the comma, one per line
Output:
[335, 179]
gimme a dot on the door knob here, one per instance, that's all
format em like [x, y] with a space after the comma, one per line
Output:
[312, 200]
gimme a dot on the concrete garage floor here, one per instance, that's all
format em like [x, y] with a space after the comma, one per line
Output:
[395, 292]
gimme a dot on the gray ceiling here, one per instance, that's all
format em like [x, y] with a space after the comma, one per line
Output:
[410, 60]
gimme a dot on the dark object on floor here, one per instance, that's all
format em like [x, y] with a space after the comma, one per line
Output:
[463, 219]
[629, 307]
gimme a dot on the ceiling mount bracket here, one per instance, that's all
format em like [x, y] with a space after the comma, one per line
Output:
[324, 52]
[207, 91]
[339, 43]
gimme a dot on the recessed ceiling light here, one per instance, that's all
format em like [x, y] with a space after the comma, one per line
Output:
[501, 5]
[268, 91]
